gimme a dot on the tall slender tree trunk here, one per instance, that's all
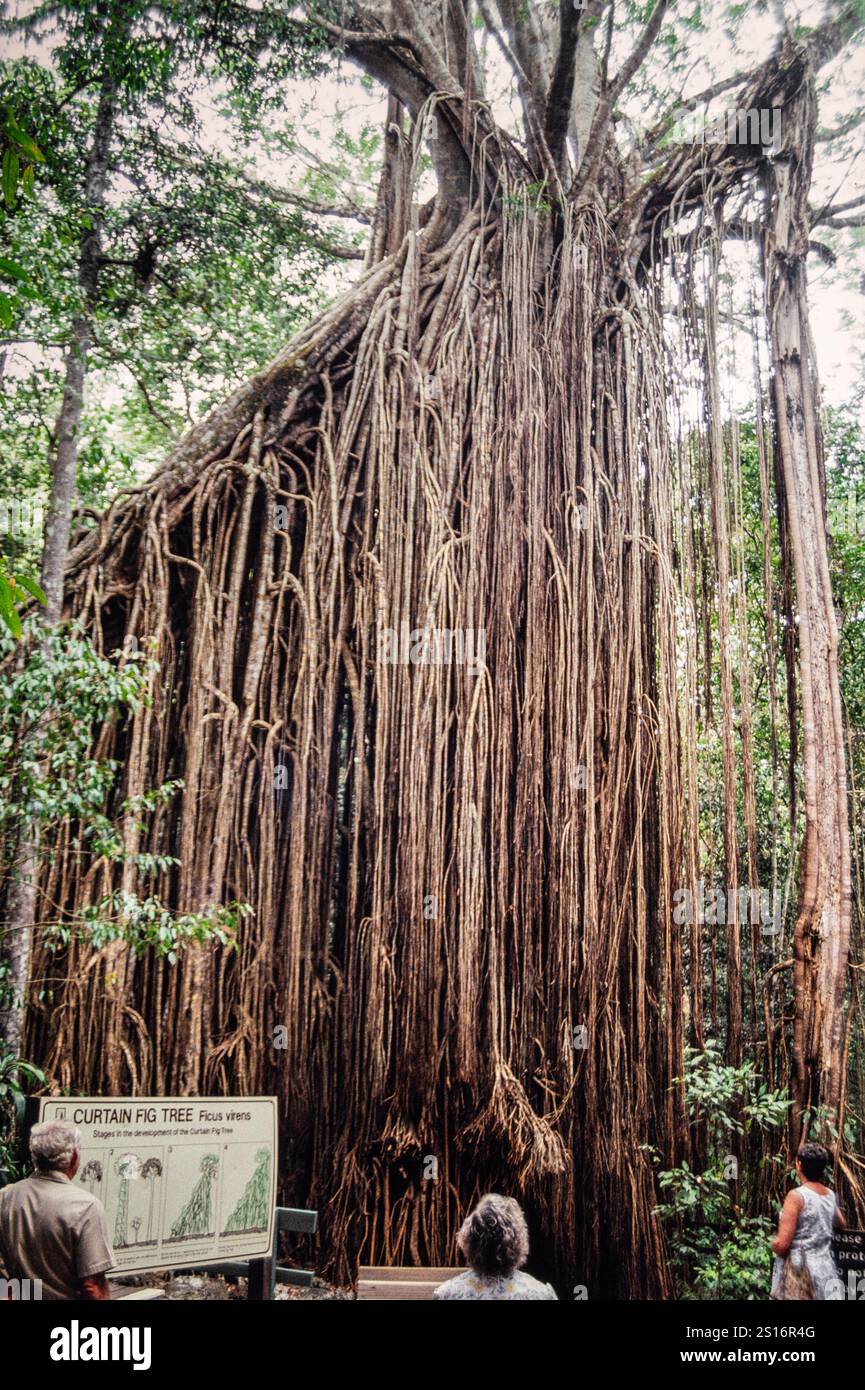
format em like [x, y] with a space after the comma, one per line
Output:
[822, 932]
[55, 548]
[57, 527]
[721, 535]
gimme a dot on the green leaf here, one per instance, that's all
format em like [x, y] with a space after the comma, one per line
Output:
[11, 270]
[5, 310]
[24, 141]
[11, 165]
[31, 586]
[8, 611]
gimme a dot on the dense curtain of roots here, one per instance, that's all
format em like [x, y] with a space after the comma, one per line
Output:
[462, 875]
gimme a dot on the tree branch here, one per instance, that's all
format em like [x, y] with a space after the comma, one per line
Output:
[684, 176]
[363, 38]
[822, 215]
[633, 64]
[561, 91]
[534, 119]
[690, 103]
[298, 200]
[121, 361]
[611, 94]
[205, 166]
[828, 39]
[842, 128]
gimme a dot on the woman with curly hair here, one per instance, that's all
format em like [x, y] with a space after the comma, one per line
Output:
[804, 1267]
[495, 1241]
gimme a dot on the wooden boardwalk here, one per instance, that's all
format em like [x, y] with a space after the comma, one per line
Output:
[399, 1283]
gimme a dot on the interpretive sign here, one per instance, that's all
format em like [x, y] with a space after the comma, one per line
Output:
[849, 1251]
[186, 1181]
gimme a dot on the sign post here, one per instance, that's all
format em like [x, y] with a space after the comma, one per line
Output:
[848, 1248]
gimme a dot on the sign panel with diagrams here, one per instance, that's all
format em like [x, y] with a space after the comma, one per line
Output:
[184, 1181]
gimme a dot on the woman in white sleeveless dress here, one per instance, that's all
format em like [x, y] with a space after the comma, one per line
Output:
[809, 1217]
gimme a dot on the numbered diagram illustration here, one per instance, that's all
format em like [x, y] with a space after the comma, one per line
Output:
[151, 1172]
[90, 1175]
[196, 1181]
[135, 1198]
[250, 1211]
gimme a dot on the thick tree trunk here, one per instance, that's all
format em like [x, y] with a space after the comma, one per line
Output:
[823, 922]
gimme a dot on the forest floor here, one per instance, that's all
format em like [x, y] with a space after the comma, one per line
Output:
[205, 1288]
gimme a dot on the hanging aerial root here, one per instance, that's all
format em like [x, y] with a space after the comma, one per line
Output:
[417, 621]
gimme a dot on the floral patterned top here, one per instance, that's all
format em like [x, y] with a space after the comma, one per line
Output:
[517, 1286]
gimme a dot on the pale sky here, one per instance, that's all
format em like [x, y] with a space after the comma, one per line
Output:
[837, 309]
[837, 305]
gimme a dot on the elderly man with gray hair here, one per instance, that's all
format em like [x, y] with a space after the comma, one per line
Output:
[51, 1229]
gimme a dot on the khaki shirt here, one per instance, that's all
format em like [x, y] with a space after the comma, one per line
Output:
[52, 1229]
